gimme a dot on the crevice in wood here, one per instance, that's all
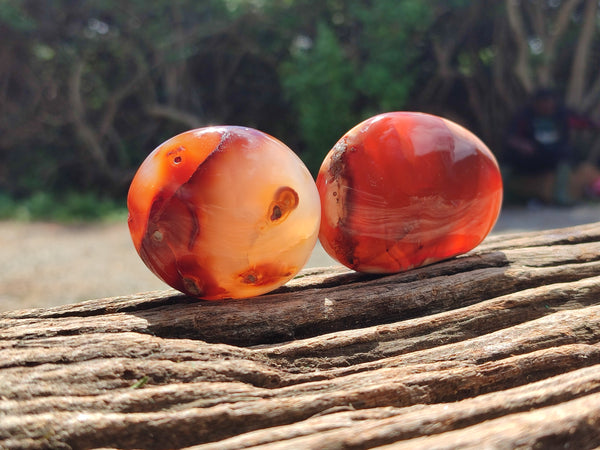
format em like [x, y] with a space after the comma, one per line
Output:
[350, 347]
[380, 426]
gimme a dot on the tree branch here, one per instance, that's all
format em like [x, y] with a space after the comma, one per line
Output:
[551, 39]
[114, 101]
[538, 20]
[499, 67]
[175, 115]
[579, 69]
[521, 67]
[561, 24]
[85, 133]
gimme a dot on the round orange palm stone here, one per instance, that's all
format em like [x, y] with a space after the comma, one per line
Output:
[223, 212]
[402, 190]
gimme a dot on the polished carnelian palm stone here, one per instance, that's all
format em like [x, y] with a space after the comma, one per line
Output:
[223, 212]
[402, 190]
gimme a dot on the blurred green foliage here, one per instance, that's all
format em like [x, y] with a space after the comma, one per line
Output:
[321, 86]
[333, 87]
[64, 207]
[88, 89]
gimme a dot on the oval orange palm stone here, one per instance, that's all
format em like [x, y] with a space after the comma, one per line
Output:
[223, 212]
[402, 190]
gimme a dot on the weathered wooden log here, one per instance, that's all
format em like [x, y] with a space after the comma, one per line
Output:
[497, 348]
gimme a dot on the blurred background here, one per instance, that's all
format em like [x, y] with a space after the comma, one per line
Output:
[89, 88]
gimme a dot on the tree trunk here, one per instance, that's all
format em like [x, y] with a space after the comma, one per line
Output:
[496, 348]
[579, 70]
[521, 66]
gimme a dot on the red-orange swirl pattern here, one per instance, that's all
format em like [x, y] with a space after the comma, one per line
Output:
[402, 190]
[223, 212]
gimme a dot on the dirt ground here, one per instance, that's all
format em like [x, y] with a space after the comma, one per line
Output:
[45, 264]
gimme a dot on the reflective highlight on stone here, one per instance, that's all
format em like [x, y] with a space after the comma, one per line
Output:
[402, 190]
[223, 212]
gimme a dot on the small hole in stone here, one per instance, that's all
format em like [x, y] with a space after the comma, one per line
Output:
[177, 159]
[192, 287]
[276, 214]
